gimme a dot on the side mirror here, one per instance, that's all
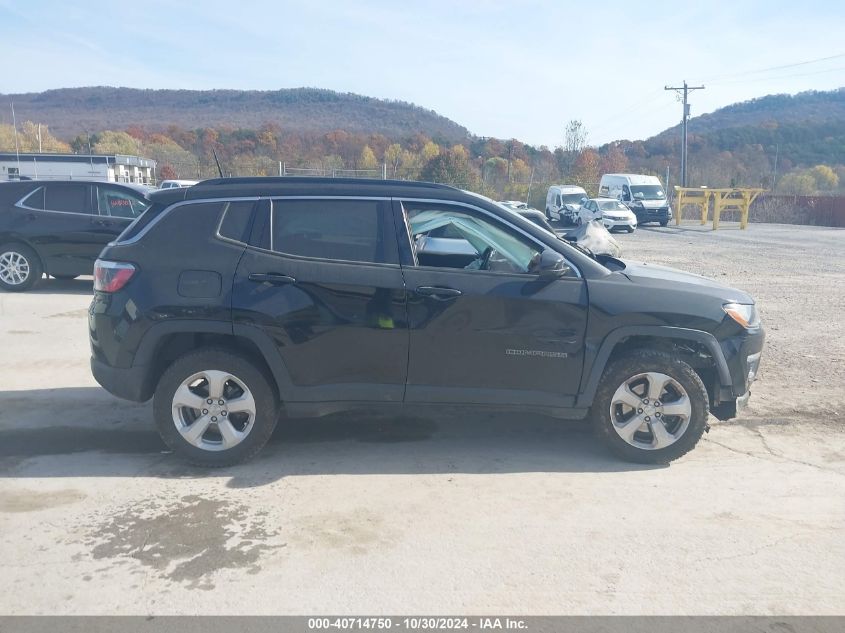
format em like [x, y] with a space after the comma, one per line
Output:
[552, 265]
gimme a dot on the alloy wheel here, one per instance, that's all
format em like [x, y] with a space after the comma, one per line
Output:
[213, 410]
[14, 268]
[650, 411]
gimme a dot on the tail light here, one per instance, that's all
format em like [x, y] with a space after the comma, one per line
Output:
[111, 276]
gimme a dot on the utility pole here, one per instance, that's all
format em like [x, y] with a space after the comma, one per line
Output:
[17, 147]
[685, 90]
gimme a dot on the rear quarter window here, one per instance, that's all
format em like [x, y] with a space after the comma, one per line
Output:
[236, 221]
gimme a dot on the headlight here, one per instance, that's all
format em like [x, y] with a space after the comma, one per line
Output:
[743, 313]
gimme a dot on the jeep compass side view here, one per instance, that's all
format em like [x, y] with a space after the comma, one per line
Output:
[235, 300]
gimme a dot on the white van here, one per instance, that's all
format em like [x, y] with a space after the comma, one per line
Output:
[644, 195]
[563, 202]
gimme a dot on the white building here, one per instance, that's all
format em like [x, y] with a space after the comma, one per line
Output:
[114, 168]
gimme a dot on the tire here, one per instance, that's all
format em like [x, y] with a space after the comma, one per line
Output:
[664, 222]
[613, 418]
[63, 277]
[630, 229]
[20, 267]
[236, 378]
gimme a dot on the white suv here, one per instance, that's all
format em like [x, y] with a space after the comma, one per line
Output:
[612, 213]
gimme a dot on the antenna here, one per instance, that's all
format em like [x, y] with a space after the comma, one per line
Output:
[217, 160]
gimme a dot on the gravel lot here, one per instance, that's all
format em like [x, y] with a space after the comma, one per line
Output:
[452, 514]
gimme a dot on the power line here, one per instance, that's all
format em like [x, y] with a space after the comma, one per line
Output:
[781, 67]
[775, 77]
[685, 88]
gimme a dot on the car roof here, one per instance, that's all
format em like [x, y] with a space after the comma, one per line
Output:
[311, 186]
[143, 189]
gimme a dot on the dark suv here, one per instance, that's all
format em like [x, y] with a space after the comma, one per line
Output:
[235, 299]
[60, 226]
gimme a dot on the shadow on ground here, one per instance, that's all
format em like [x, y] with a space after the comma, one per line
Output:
[84, 432]
[50, 286]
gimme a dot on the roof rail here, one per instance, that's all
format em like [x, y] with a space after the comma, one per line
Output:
[279, 180]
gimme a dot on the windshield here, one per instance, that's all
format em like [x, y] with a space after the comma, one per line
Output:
[612, 205]
[648, 192]
[572, 198]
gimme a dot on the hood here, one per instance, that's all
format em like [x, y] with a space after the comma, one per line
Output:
[654, 275]
[574, 206]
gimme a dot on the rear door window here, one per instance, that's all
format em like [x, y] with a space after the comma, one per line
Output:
[67, 198]
[354, 230]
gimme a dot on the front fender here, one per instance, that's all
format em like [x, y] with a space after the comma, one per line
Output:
[592, 376]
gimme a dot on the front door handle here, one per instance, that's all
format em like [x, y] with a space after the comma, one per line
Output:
[272, 278]
[441, 294]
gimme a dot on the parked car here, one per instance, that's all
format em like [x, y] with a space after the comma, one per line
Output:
[563, 202]
[238, 298]
[644, 195]
[537, 217]
[59, 227]
[170, 184]
[610, 212]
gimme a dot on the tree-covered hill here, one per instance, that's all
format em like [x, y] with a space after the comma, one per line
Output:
[71, 111]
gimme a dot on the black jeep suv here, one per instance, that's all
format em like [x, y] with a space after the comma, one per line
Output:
[235, 299]
[60, 226]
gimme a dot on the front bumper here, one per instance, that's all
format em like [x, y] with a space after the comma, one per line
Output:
[652, 215]
[612, 223]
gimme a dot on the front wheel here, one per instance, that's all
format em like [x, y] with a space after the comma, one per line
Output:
[650, 408]
[630, 229]
[215, 408]
[20, 267]
[664, 222]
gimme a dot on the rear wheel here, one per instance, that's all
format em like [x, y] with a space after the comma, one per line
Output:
[650, 408]
[20, 267]
[215, 408]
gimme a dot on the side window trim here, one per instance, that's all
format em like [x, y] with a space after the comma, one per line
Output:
[21, 204]
[495, 217]
[168, 211]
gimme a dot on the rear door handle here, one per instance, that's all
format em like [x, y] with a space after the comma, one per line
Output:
[441, 294]
[272, 278]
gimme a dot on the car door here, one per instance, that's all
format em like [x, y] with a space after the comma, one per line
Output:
[321, 278]
[485, 333]
[60, 224]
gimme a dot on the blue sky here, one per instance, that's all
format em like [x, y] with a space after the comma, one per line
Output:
[505, 69]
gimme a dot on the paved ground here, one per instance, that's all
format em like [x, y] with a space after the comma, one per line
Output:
[452, 514]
